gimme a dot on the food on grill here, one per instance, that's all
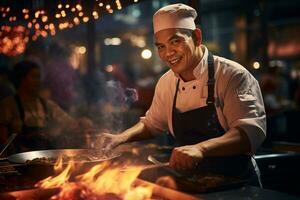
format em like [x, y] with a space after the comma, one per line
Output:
[211, 181]
[66, 158]
[204, 183]
[42, 160]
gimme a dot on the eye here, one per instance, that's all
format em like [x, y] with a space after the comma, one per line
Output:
[175, 41]
[159, 47]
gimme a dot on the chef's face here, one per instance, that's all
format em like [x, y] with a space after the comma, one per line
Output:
[178, 49]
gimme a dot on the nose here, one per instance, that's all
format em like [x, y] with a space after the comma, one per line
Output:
[170, 51]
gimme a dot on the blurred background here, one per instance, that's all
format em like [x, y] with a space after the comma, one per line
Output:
[99, 59]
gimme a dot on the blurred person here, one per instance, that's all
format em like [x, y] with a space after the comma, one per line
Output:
[6, 87]
[211, 105]
[38, 122]
[275, 91]
[60, 79]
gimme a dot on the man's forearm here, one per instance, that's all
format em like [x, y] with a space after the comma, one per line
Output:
[233, 142]
[137, 132]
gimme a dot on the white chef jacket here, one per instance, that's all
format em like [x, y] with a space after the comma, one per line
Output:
[238, 99]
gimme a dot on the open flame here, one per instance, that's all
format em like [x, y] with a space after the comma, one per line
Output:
[103, 181]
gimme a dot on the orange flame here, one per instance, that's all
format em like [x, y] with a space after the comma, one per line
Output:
[57, 181]
[59, 164]
[101, 180]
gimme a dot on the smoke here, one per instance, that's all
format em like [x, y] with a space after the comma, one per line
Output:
[117, 107]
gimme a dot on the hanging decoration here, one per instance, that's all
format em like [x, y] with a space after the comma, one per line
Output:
[22, 21]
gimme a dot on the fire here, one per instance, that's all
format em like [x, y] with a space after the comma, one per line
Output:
[103, 181]
[61, 179]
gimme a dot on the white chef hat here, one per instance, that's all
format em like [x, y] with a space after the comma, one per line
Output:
[174, 16]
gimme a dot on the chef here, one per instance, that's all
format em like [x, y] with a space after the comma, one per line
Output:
[211, 105]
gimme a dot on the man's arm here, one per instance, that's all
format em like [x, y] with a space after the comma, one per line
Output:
[136, 133]
[233, 142]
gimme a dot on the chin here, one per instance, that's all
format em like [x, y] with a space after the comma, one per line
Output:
[176, 69]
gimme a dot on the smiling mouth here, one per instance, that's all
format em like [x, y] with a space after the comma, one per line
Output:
[174, 61]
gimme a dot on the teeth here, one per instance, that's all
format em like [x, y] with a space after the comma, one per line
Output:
[174, 61]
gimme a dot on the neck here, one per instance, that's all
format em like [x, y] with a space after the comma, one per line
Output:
[189, 75]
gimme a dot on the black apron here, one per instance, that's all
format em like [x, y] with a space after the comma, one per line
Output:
[201, 124]
[31, 138]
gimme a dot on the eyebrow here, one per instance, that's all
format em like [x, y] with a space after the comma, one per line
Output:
[171, 38]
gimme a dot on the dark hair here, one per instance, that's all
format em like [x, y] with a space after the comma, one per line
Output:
[189, 33]
[21, 69]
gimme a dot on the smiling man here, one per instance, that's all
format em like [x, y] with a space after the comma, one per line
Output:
[211, 105]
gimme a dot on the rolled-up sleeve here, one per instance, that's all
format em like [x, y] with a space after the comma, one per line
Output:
[244, 107]
[155, 118]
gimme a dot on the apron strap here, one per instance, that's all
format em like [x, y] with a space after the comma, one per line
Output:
[175, 96]
[211, 80]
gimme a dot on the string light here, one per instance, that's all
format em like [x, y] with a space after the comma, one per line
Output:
[40, 23]
[79, 7]
[118, 3]
[85, 19]
[76, 20]
[44, 19]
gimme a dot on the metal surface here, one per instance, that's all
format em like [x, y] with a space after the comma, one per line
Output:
[21, 158]
[156, 162]
[166, 165]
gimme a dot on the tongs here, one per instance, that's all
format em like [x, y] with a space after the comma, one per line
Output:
[166, 165]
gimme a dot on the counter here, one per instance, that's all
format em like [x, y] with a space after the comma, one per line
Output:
[247, 193]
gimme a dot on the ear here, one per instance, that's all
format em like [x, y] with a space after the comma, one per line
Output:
[197, 37]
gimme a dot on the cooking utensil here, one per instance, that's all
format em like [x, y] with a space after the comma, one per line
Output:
[8, 142]
[155, 161]
[21, 158]
[46, 169]
[166, 165]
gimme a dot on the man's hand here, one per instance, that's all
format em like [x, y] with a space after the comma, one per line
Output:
[186, 157]
[107, 141]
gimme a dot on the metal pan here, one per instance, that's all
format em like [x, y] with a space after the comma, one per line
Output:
[42, 170]
[21, 158]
